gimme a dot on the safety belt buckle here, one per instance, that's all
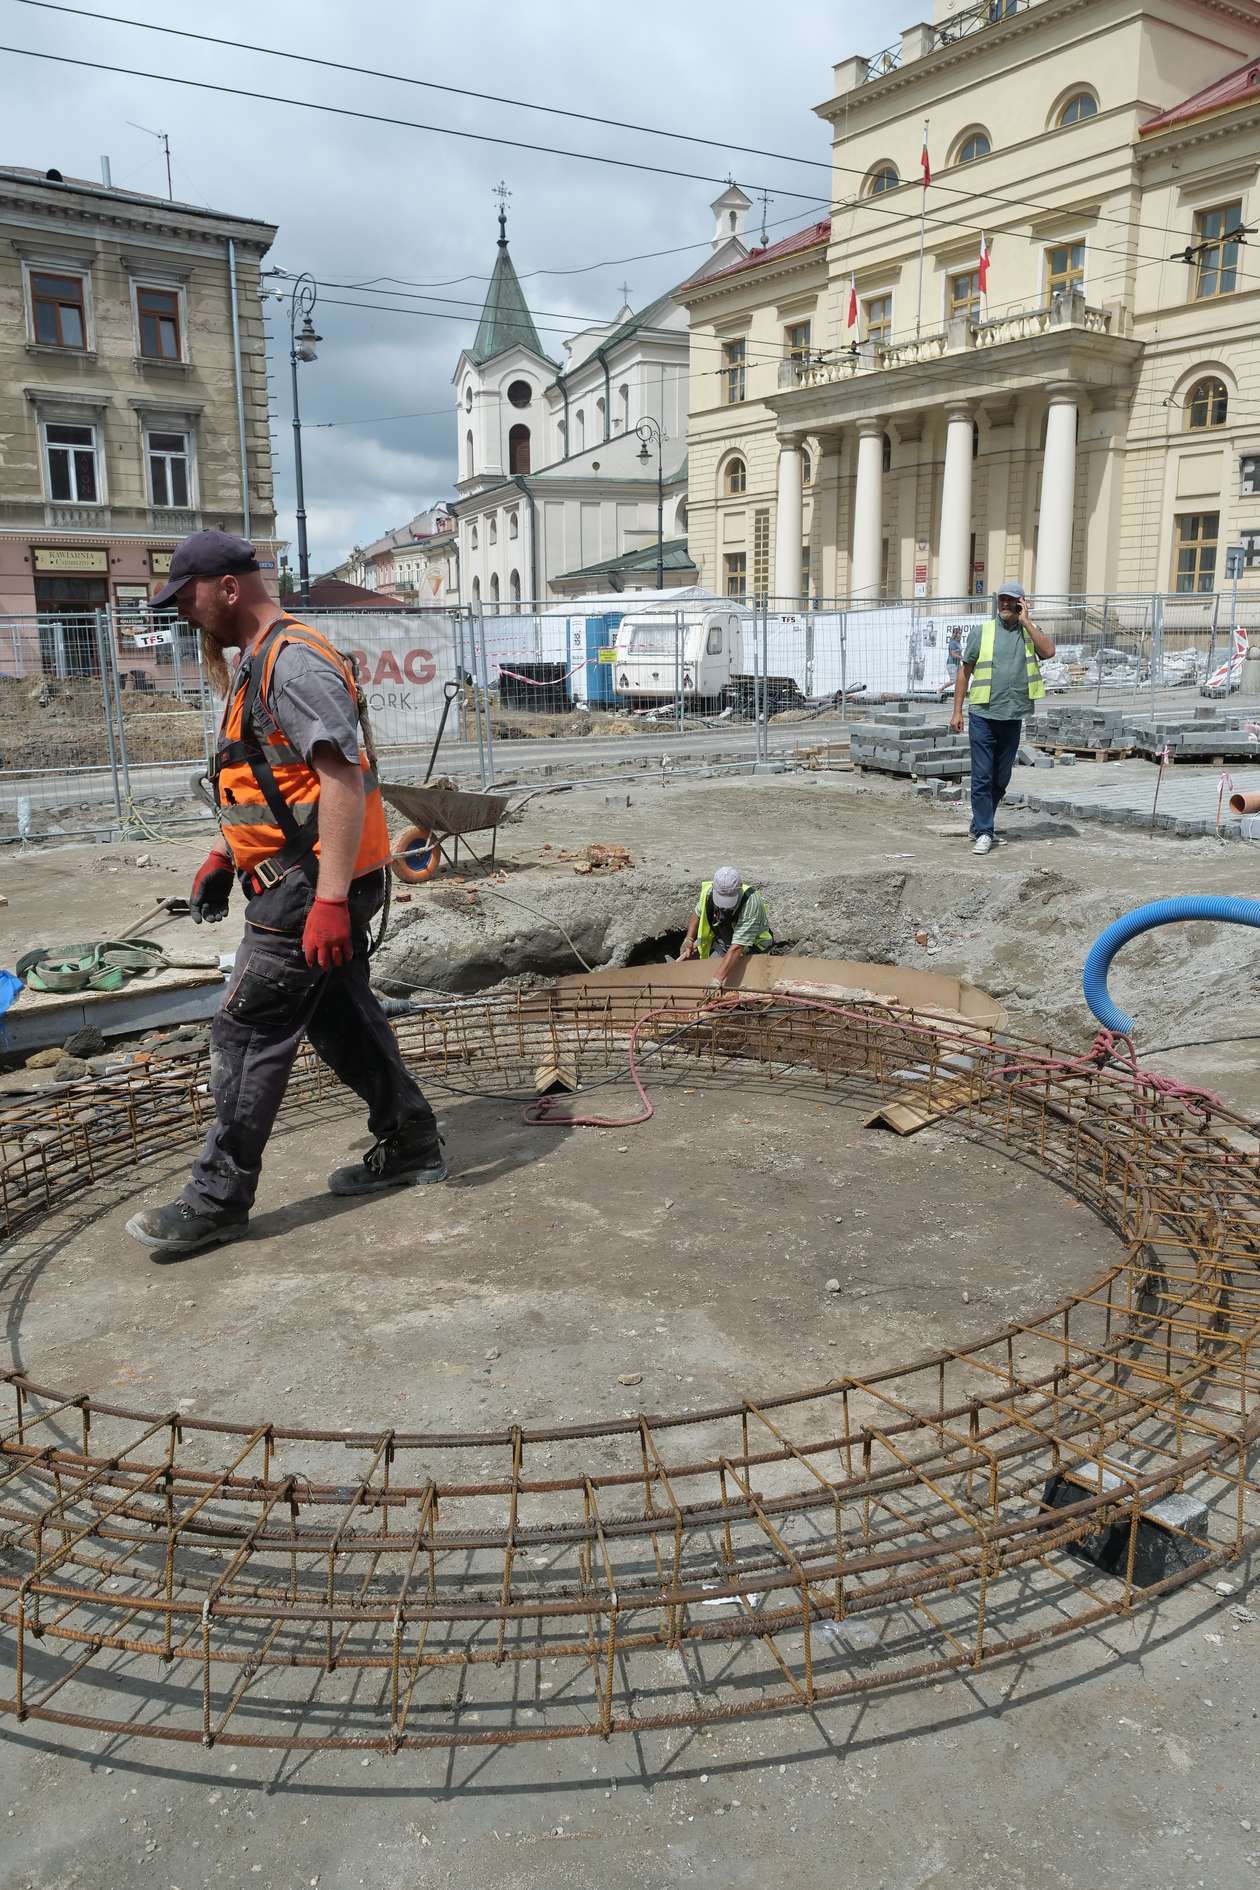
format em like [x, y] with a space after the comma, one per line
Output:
[267, 873]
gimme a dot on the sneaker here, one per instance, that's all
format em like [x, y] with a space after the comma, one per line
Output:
[401, 1160]
[181, 1228]
[985, 844]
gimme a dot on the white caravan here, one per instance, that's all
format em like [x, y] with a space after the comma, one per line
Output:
[693, 652]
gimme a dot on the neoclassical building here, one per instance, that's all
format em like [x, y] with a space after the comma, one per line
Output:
[556, 492]
[874, 412]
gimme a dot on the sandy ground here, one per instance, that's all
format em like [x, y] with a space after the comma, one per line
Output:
[695, 1251]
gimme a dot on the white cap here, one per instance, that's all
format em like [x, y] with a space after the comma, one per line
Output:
[728, 884]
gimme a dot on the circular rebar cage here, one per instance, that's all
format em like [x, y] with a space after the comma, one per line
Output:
[265, 1585]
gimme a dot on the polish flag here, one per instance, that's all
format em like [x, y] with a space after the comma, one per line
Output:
[984, 265]
[924, 159]
[853, 303]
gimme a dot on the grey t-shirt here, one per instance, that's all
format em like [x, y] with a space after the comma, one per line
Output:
[308, 703]
[1009, 700]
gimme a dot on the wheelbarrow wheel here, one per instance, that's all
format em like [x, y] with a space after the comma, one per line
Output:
[417, 856]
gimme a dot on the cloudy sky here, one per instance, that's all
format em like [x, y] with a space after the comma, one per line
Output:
[357, 201]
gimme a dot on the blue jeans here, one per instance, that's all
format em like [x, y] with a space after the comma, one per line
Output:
[994, 746]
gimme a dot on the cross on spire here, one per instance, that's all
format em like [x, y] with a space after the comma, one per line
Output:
[502, 192]
[625, 294]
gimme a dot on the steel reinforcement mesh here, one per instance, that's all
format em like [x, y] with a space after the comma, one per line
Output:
[268, 1585]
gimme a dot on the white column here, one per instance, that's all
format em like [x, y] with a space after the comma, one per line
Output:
[788, 522]
[868, 510]
[1058, 496]
[953, 552]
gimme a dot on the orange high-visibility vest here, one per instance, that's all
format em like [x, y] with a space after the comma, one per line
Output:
[267, 793]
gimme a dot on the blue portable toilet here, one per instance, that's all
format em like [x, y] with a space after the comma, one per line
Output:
[601, 633]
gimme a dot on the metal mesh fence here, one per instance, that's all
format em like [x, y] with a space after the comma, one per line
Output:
[105, 719]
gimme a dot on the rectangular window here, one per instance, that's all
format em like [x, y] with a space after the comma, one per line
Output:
[1194, 566]
[168, 470]
[1218, 258]
[158, 312]
[71, 459]
[806, 586]
[735, 568]
[761, 552]
[877, 313]
[58, 316]
[1250, 542]
[796, 341]
[1065, 268]
[734, 371]
[964, 295]
[1250, 482]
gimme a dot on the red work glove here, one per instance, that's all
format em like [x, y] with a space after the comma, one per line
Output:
[211, 889]
[326, 938]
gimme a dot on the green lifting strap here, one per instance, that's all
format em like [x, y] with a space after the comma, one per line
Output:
[97, 965]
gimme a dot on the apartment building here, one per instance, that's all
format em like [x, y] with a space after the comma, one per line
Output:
[133, 393]
[1043, 363]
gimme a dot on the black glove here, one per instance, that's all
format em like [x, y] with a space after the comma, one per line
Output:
[211, 890]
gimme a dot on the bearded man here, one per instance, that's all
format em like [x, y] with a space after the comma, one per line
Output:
[303, 830]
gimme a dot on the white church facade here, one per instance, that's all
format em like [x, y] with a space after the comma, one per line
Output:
[558, 458]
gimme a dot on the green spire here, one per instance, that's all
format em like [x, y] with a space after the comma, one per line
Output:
[505, 320]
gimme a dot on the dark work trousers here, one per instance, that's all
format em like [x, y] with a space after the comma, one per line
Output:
[275, 999]
[994, 746]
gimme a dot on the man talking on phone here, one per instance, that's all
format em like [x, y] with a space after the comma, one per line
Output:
[1000, 678]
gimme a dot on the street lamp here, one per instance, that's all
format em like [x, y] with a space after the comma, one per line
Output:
[650, 429]
[302, 345]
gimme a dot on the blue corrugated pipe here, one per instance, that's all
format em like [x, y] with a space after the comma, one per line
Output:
[1225, 910]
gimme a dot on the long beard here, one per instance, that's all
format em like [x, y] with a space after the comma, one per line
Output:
[215, 665]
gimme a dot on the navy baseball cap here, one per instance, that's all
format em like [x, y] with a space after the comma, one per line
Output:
[205, 554]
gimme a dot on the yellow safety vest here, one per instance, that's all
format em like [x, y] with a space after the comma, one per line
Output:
[704, 936]
[982, 675]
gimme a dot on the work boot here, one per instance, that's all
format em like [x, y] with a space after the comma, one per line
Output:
[408, 1158]
[181, 1228]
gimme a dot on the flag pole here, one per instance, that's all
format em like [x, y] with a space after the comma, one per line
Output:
[927, 178]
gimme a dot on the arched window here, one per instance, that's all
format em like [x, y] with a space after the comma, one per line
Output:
[1080, 105]
[601, 414]
[1208, 403]
[518, 450]
[468, 452]
[883, 177]
[807, 470]
[580, 419]
[493, 528]
[520, 393]
[563, 428]
[514, 586]
[736, 480]
[476, 593]
[514, 527]
[494, 587]
[972, 145]
[468, 397]
[472, 537]
[623, 395]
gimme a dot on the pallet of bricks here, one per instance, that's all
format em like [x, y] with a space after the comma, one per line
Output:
[902, 738]
[1204, 733]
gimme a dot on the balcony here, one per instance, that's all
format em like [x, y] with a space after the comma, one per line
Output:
[917, 42]
[959, 337]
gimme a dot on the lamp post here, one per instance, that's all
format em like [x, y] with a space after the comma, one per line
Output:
[650, 429]
[302, 346]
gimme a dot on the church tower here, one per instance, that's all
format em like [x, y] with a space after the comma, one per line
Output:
[499, 381]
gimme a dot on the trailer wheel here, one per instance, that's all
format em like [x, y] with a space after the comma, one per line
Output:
[417, 856]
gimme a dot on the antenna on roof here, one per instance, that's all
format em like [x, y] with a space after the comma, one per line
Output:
[165, 143]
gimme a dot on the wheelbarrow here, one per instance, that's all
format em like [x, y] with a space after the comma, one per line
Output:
[439, 815]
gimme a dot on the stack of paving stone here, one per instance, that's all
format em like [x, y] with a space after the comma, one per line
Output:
[1082, 728]
[899, 738]
[1199, 735]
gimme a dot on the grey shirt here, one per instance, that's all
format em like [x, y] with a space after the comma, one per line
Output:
[308, 703]
[1009, 700]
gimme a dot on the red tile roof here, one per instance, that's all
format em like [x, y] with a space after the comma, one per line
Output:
[330, 593]
[1242, 83]
[803, 239]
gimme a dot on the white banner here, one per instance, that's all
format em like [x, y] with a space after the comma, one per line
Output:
[403, 663]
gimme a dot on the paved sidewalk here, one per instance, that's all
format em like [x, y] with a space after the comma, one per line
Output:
[1122, 794]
